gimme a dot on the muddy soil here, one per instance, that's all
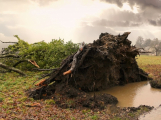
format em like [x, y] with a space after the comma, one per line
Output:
[128, 113]
[71, 97]
[155, 83]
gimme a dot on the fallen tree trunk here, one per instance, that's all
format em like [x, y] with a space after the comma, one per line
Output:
[4, 66]
[108, 61]
[12, 69]
[10, 55]
[7, 42]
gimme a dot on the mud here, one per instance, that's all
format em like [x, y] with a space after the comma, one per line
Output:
[71, 97]
[128, 113]
[135, 94]
[155, 83]
[152, 115]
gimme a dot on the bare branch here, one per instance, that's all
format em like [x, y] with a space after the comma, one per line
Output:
[44, 69]
[31, 61]
[11, 55]
[146, 52]
[7, 42]
[12, 69]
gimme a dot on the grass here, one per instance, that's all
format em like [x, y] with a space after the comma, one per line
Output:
[148, 60]
[13, 100]
[151, 65]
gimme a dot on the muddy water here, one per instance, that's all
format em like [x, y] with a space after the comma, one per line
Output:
[135, 94]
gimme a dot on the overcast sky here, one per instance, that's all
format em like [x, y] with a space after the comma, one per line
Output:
[78, 20]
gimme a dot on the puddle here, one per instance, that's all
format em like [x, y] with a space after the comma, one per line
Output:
[135, 94]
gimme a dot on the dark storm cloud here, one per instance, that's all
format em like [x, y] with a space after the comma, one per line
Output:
[141, 3]
[113, 18]
[121, 15]
[118, 2]
[113, 23]
[43, 2]
[155, 22]
[149, 12]
[152, 22]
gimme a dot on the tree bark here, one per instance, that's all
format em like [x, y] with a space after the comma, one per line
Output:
[7, 42]
[12, 69]
[11, 55]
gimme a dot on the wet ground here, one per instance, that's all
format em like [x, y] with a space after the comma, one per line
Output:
[155, 114]
[135, 94]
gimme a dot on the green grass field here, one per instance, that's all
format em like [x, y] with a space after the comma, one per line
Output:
[148, 60]
[150, 64]
[14, 104]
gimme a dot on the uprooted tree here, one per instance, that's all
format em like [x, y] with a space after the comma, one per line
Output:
[108, 61]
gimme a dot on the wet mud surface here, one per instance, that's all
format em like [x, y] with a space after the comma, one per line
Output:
[128, 113]
[155, 114]
[135, 94]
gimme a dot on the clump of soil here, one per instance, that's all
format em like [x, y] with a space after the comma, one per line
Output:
[108, 61]
[70, 97]
[155, 83]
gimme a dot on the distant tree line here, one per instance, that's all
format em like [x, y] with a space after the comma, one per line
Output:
[152, 45]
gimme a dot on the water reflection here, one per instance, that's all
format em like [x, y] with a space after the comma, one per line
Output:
[135, 94]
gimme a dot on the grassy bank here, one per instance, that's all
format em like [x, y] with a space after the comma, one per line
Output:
[151, 65]
[14, 104]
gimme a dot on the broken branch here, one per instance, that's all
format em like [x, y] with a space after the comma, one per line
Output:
[44, 69]
[7, 42]
[11, 55]
[12, 69]
[31, 61]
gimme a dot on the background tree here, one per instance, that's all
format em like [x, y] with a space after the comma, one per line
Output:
[139, 42]
[146, 43]
[153, 45]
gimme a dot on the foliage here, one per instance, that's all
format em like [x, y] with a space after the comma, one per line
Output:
[47, 55]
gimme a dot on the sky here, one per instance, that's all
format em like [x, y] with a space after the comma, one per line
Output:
[78, 20]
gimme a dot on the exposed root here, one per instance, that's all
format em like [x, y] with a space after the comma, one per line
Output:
[67, 72]
[41, 83]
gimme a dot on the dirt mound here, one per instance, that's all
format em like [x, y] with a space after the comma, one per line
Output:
[108, 61]
[155, 83]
